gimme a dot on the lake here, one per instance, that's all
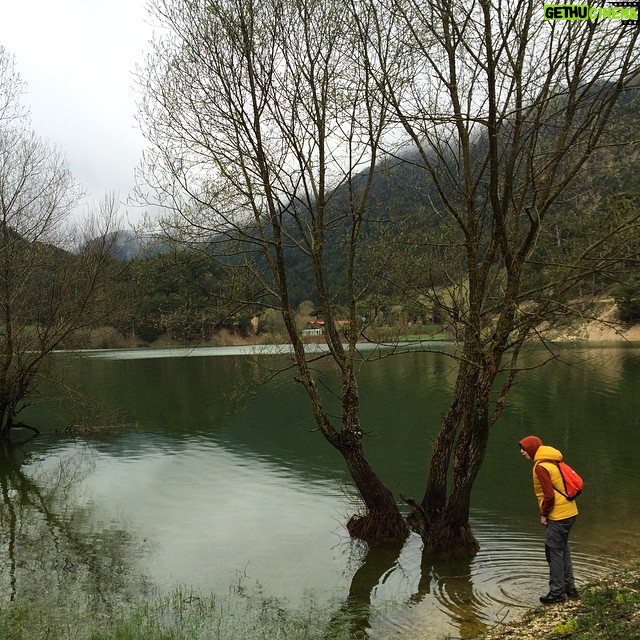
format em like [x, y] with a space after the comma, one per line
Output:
[208, 474]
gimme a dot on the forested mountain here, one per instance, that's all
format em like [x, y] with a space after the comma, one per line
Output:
[192, 292]
[406, 223]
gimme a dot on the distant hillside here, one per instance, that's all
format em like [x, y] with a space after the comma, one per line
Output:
[403, 203]
[126, 244]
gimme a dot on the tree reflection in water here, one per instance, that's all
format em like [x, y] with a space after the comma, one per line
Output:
[448, 579]
[51, 545]
[454, 591]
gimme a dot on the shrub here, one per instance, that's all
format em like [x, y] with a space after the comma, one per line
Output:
[106, 338]
[627, 297]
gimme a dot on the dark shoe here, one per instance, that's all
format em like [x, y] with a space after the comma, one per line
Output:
[572, 593]
[551, 599]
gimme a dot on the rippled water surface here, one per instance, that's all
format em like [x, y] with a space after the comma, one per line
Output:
[220, 481]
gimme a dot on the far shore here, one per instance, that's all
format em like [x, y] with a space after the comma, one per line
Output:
[592, 333]
[603, 330]
[606, 328]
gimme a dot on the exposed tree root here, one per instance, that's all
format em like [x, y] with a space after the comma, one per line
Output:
[21, 425]
[5, 434]
[417, 519]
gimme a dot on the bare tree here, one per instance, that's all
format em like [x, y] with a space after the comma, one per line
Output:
[50, 278]
[257, 112]
[504, 112]
[262, 116]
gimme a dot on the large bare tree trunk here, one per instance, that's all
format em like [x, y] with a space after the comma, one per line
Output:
[442, 518]
[259, 113]
[382, 521]
[448, 530]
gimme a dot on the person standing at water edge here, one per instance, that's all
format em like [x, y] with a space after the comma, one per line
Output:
[557, 514]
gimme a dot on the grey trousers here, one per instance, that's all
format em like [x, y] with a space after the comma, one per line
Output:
[558, 556]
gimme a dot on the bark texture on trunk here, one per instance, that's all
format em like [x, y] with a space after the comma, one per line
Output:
[442, 518]
[6, 422]
[451, 535]
[382, 521]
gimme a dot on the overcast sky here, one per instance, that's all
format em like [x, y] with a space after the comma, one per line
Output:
[77, 58]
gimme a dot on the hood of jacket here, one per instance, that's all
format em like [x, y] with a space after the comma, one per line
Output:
[531, 444]
[546, 452]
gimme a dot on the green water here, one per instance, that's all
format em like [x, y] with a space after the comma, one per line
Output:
[219, 482]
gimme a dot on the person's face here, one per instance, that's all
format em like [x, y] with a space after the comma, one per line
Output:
[524, 454]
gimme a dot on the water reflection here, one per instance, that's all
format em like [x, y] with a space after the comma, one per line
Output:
[50, 543]
[212, 514]
[442, 582]
[375, 565]
[225, 487]
[443, 597]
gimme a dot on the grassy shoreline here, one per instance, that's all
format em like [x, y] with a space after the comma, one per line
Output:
[609, 609]
[184, 614]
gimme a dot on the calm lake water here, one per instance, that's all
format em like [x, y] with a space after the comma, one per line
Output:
[218, 482]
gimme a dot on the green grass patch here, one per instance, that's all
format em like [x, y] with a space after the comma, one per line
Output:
[611, 610]
[182, 615]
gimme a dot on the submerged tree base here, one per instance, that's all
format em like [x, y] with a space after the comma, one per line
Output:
[449, 539]
[376, 528]
[443, 536]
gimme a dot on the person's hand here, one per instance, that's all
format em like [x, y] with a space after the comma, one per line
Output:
[543, 521]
